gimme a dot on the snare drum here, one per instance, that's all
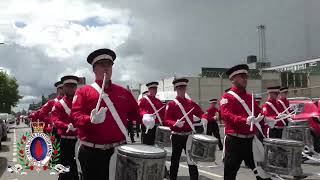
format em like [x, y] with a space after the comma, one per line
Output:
[304, 123]
[203, 148]
[282, 157]
[298, 133]
[140, 162]
[162, 138]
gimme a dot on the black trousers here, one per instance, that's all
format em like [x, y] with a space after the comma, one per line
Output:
[178, 144]
[316, 141]
[148, 138]
[275, 133]
[95, 163]
[67, 158]
[131, 131]
[213, 128]
[236, 151]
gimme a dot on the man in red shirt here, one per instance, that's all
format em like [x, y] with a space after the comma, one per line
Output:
[66, 130]
[283, 101]
[271, 109]
[181, 125]
[102, 126]
[149, 107]
[43, 114]
[213, 115]
[236, 111]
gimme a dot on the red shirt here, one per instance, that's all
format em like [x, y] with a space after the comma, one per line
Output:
[61, 119]
[145, 107]
[269, 112]
[43, 114]
[173, 113]
[210, 113]
[85, 100]
[286, 103]
[234, 114]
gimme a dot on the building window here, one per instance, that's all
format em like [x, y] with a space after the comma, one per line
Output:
[294, 80]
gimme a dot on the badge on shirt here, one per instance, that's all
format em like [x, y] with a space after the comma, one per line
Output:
[223, 101]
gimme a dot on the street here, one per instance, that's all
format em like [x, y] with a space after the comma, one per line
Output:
[8, 156]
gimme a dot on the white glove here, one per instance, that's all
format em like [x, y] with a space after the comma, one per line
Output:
[71, 128]
[280, 115]
[270, 122]
[251, 119]
[149, 120]
[259, 118]
[204, 121]
[195, 118]
[289, 119]
[215, 117]
[179, 124]
[98, 117]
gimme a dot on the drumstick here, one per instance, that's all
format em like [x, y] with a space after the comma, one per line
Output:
[251, 125]
[185, 115]
[159, 110]
[102, 89]
[287, 116]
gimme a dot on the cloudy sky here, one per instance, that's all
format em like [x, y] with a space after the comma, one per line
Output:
[154, 39]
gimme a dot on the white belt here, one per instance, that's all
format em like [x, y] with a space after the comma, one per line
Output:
[68, 137]
[241, 135]
[101, 146]
[182, 133]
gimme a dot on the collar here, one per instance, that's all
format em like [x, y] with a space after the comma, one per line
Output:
[99, 82]
[273, 101]
[238, 91]
[181, 99]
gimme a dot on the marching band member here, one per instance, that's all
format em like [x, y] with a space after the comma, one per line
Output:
[43, 114]
[150, 110]
[271, 109]
[283, 101]
[100, 112]
[237, 116]
[181, 124]
[65, 125]
[213, 115]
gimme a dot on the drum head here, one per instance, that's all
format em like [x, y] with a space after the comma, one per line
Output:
[286, 142]
[142, 151]
[205, 138]
[164, 128]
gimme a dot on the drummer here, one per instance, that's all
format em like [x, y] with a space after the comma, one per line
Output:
[283, 101]
[100, 131]
[271, 109]
[150, 107]
[183, 128]
[213, 115]
[237, 119]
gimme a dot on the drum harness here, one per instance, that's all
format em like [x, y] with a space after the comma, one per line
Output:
[154, 109]
[115, 116]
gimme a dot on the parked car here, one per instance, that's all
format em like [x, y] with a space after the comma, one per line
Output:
[306, 109]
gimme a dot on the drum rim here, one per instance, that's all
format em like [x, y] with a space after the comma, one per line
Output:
[212, 139]
[164, 128]
[289, 142]
[142, 155]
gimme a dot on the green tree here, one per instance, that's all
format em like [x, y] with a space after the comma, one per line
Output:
[9, 93]
[43, 100]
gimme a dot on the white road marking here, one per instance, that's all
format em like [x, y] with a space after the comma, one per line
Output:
[204, 172]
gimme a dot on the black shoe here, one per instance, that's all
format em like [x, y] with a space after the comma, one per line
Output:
[166, 174]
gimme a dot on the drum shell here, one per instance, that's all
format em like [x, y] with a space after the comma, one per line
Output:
[282, 157]
[203, 150]
[139, 167]
[162, 137]
[298, 133]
